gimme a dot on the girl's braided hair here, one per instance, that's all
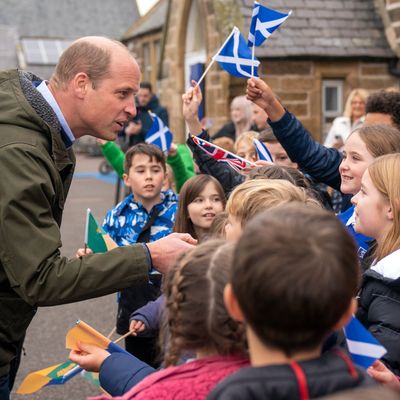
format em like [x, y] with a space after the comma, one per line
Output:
[196, 318]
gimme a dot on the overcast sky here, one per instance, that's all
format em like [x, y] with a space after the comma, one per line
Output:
[145, 5]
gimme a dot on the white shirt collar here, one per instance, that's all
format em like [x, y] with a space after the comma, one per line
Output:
[48, 96]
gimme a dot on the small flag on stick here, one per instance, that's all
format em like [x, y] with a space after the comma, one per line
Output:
[54, 375]
[264, 22]
[62, 373]
[262, 151]
[95, 237]
[363, 347]
[159, 134]
[219, 154]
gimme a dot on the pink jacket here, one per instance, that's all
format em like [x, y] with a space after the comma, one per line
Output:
[190, 381]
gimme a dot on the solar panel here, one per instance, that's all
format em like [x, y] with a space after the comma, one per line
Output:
[43, 51]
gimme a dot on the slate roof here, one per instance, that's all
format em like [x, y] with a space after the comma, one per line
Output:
[324, 28]
[69, 18]
[152, 21]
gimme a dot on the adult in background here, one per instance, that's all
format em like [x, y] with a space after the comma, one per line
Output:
[353, 117]
[139, 125]
[241, 119]
[91, 93]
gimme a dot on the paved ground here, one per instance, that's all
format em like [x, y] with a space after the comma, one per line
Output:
[45, 341]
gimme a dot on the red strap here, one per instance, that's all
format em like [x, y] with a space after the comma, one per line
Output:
[353, 372]
[301, 380]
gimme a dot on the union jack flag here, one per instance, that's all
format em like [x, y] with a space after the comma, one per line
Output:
[219, 154]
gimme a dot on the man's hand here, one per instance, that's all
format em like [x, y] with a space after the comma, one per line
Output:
[165, 251]
[261, 94]
[89, 357]
[133, 128]
[191, 102]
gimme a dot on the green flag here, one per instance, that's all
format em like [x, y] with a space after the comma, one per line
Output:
[95, 237]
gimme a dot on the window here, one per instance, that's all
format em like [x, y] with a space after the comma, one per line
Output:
[332, 102]
[43, 51]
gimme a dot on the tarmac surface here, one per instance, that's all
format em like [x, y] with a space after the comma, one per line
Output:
[45, 340]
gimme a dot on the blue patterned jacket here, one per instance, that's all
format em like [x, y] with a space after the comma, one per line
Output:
[125, 222]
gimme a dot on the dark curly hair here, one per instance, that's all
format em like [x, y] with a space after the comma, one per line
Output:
[385, 102]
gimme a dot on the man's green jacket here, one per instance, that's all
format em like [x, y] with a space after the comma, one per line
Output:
[35, 174]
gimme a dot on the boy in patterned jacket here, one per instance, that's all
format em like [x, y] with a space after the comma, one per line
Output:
[147, 214]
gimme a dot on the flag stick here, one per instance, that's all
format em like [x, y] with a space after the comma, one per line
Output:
[212, 60]
[205, 72]
[252, 59]
[124, 336]
[112, 332]
[87, 229]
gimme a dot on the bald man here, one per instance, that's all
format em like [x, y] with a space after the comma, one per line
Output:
[91, 93]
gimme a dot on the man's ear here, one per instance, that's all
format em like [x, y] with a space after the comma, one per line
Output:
[232, 304]
[81, 83]
[345, 318]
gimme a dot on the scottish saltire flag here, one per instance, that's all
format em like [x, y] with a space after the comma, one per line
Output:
[363, 347]
[235, 57]
[264, 21]
[159, 134]
[219, 154]
[95, 238]
[54, 375]
[262, 151]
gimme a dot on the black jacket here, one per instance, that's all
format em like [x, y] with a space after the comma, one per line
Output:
[379, 311]
[332, 372]
[226, 176]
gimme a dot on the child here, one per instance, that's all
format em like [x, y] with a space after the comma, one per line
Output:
[294, 280]
[244, 146]
[197, 322]
[145, 215]
[200, 201]
[328, 165]
[377, 214]
[255, 196]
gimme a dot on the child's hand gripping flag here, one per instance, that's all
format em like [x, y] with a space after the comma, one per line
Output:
[159, 134]
[262, 151]
[363, 347]
[219, 154]
[61, 373]
[264, 22]
[95, 237]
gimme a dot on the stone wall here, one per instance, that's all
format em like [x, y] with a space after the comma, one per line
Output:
[172, 83]
[298, 84]
[136, 48]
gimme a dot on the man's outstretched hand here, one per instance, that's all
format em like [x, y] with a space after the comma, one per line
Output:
[165, 251]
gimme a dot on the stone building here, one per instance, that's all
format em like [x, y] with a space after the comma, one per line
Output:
[323, 51]
[33, 33]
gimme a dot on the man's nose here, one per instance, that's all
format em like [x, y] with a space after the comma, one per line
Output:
[131, 108]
